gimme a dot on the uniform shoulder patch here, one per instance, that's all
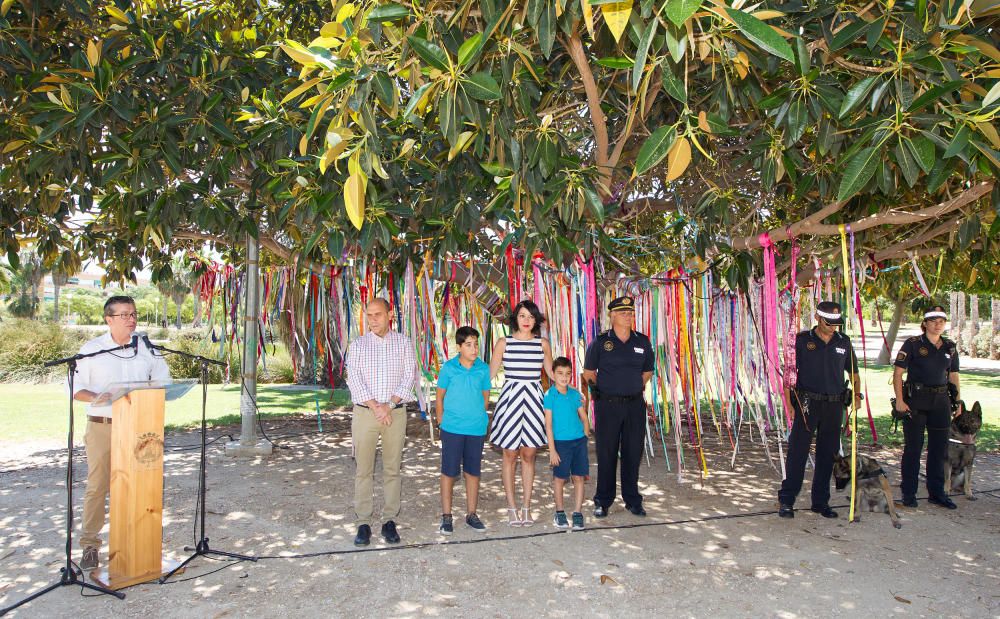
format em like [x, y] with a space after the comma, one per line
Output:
[901, 355]
[913, 338]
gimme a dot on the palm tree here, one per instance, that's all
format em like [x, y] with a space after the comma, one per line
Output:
[26, 281]
[175, 287]
[60, 274]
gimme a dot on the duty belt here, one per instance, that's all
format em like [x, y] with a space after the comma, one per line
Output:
[929, 388]
[821, 397]
[622, 399]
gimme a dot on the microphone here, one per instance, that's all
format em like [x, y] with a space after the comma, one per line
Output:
[149, 345]
[135, 343]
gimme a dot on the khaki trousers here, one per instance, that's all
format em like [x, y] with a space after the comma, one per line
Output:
[365, 432]
[97, 441]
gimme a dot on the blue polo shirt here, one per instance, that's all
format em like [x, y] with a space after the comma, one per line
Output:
[566, 424]
[464, 412]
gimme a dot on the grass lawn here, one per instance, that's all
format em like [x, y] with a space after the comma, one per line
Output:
[976, 386]
[38, 412]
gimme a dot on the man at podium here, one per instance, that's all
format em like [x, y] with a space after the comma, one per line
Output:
[135, 362]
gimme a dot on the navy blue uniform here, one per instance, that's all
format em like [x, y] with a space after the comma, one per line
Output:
[818, 404]
[926, 393]
[620, 412]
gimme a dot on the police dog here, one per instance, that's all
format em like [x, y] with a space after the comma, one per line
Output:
[962, 449]
[873, 485]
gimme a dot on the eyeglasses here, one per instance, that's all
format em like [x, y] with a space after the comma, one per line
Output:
[133, 316]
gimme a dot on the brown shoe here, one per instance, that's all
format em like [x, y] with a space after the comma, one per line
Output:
[91, 559]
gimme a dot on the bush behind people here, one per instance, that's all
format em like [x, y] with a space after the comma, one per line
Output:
[26, 344]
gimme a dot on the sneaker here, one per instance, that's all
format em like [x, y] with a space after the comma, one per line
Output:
[389, 533]
[473, 521]
[559, 520]
[577, 521]
[446, 527]
[90, 560]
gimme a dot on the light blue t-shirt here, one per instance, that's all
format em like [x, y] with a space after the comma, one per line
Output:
[464, 412]
[566, 424]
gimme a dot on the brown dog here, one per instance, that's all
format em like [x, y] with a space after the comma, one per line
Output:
[962, 450]
[872, 486]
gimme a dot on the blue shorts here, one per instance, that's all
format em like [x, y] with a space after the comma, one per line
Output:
[461, 452]
[572, 458]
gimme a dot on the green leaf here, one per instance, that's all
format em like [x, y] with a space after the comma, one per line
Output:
[388, 12]
[654, 149]
[922, 150]
[848, 34]
[761, 34]
[469, 48]
[855, 95]
[906, 165]
[678, 11]
[482, 86]
[547, 28]
[641, 52]
[675, 41]
[595, 205]
[942, 170]
[859, 171]
[934, 93]
[958, 143]
[429, 52]
[415, 99]
[613, 62]
[672, 85]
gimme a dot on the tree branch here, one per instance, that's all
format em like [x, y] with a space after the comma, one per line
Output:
[811, 225]
[579, 57]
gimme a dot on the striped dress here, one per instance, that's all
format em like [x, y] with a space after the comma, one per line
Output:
[520, 419]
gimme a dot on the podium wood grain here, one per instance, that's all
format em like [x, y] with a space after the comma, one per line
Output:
[136, 540]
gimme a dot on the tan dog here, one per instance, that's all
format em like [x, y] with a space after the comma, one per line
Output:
[962, 450]
[872, 486]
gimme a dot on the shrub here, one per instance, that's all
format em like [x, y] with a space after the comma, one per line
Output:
[26, 344]
[981, 343]
[279, 367]
[195, 343]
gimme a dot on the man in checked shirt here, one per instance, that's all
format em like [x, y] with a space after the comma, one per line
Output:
[381, 372]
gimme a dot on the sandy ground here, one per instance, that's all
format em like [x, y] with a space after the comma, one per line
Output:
[711, 547]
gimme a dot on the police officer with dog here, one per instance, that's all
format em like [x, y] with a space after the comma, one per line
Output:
[618, 364]
[926, 401]
[822, 357]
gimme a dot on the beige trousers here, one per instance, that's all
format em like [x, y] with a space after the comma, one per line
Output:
[97, 441]
[365, 432]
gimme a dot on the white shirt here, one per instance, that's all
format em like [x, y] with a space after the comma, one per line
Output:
[381, 367]
[97, 373]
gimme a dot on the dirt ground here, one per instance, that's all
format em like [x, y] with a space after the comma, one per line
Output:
[707, 548]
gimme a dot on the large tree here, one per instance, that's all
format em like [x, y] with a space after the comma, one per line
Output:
[401, 129]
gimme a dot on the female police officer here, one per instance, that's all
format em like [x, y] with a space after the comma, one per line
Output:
[931, 363]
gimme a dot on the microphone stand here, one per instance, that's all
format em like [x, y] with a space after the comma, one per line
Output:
[201, 548]
[69, 573]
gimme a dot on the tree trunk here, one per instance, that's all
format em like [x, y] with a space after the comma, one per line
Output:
[884, 355]
[178, 299]
[196, 292]
[995, 318]
[164, 314]
[55, 299]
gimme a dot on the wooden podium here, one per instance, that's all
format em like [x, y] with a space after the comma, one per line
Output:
[135, 552]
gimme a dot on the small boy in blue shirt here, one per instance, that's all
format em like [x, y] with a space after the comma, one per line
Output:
[568, 429]
[463, 393]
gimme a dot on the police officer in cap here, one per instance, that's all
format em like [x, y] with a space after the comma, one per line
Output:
[931, 364]
[822, 356]
[618, 365]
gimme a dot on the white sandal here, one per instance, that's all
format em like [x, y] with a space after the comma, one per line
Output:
[514, 519]
[526, 521]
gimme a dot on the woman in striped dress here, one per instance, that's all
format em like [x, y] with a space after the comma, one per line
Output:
[519, 421]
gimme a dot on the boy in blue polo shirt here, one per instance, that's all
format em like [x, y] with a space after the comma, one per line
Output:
[568, 428]
[463, 393]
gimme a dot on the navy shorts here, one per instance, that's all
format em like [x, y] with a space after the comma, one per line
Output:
[572, 458]
[461, 452]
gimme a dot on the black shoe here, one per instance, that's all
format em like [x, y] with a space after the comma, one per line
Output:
[90, 560]
[364, 536]
[389, 533]
[823, 510]
[909, 500]
[600, 512]
[636, 510]
[943, 501]
[786, 511]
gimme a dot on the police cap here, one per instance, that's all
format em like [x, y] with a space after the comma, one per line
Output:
[621, 303]
[829, 311]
